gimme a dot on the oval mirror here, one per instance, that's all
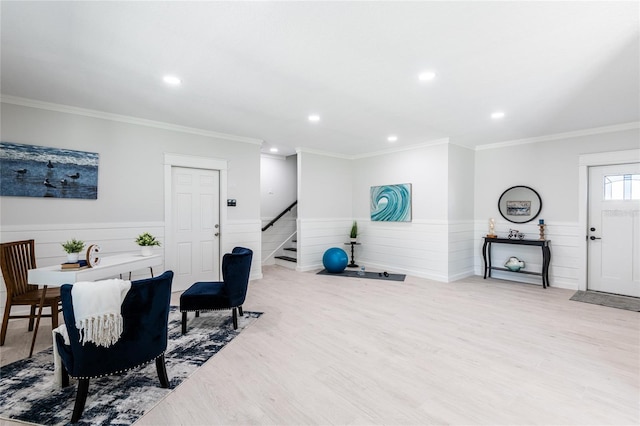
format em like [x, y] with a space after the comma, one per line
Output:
[520, 204]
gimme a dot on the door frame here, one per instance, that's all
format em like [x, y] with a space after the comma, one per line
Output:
[191, 162]
[585, 161]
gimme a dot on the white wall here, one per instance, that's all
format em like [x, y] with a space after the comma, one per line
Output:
[551, 168]
[324, 206]
[130, 182]
[460, 212]
[419, 247]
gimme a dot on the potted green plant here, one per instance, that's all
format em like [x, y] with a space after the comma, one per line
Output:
[146, 241]
[354, 231]
[73, 247]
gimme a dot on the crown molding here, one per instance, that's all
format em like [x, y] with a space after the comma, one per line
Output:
[31, 103]
[323, 153]
[435, 142]
[566, 135]
[273, 156]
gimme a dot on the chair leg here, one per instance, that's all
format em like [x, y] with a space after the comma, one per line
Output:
[161, 368]
[234, 313]
[197, 314]
[184, 323]
[240, 311]
[54, 315]
[65, 377]
[32, 317]
[5, 321]
[81, 399]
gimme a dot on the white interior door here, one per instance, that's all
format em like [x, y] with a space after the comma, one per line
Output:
[614, 229]
[196, 230]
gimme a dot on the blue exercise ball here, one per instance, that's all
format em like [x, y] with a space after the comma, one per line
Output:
[335, 260]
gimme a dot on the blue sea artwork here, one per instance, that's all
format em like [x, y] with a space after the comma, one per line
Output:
[391, 203]
[40, 171]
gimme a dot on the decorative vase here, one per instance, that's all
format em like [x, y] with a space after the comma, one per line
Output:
[146, 250]
[72, 257]
[514, 264]
[353, 240]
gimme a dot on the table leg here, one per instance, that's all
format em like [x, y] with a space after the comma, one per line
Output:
[484, 258]
[546, 260]
[353, 260]
[35, 330]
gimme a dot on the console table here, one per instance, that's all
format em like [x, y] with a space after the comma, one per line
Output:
[543, 244]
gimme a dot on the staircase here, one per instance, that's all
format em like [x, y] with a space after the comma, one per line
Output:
[280, 245]
[289, 256]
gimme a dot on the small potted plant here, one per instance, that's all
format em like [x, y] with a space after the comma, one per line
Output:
[73, 247]
[146, 241]
[354, 231]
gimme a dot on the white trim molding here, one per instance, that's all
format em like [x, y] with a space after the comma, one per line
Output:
[584, 162]
[31, 103]
[565, 135]
[188, 161]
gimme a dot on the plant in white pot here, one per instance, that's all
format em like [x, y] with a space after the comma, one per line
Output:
[73, 247]
[146, 241]
[354, 231]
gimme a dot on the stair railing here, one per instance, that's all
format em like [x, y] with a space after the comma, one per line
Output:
[285, 211]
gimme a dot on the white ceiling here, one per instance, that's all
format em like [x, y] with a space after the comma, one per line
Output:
[258, 69]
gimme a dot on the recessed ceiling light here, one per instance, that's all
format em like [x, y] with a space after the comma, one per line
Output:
[498, 114]
[172, 80]
[392, 138]
[314, 118]
[274, 150]
[427, 75]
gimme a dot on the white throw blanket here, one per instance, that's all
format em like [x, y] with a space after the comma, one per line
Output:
[96, 306]
[57, 361]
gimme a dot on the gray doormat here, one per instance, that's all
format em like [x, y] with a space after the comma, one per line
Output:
[370, 275]
[610, 300]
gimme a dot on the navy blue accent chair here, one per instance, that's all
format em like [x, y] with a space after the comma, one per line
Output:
[216, 295]
[145, 311]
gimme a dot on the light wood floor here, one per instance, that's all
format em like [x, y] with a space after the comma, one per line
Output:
[333, 350]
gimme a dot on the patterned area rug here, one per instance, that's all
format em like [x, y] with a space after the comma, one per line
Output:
[370, 275]
[28, 392]
[610, 300]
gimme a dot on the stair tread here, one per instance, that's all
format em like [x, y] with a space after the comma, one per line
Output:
[289, 258]
[291, 249]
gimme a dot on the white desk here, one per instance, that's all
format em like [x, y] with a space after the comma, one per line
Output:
[109, 266]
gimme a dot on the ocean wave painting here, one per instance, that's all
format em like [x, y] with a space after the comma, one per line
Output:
[391, 203]
[40, 171]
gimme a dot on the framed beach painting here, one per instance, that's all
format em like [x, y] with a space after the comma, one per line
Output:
[40, 171]
[391, 203]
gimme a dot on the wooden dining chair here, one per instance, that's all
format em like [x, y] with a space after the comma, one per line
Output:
[16, 258]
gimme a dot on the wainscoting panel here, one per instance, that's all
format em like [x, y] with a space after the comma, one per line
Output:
[315, 236]
[117, 238]
[461, 249]
[438, 250]
[244, 233]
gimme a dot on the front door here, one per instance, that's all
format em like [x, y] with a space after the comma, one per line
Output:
[614, 229]
[196, 214]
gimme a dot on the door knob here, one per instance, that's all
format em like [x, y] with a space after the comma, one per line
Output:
[594, 238]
